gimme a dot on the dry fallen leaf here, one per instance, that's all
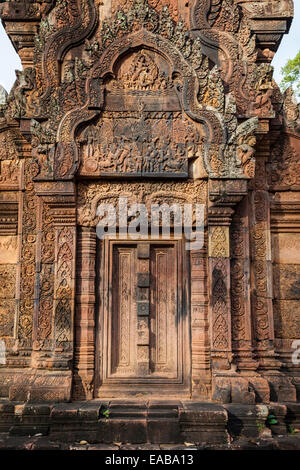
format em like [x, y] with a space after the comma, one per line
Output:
[252, 442]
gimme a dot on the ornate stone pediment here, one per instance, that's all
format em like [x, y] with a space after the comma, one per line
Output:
[142, 130]
[139, 57]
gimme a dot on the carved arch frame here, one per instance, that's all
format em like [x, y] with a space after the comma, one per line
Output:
[67, 159]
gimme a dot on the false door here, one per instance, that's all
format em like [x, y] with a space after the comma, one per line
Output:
[143, 321]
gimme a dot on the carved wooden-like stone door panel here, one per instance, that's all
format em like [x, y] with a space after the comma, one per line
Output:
[142, 323]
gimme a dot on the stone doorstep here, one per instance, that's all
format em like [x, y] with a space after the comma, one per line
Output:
[159, 422]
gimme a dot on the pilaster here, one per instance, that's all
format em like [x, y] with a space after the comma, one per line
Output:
[240, 291]
[224, 195]
[84, 361]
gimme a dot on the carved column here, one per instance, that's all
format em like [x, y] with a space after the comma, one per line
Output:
[51, 373]
[64, 221]
[201, 374]
[55, 288]
[14, 336]
[241, 312]
[240, 291]
[44, 285]
[25, 292]
[224, 195]
[262, 281]
[219, 273]
[261, 275]
[84, 360]
[228, 385]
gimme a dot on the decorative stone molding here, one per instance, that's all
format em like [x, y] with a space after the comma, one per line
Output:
[8, 218]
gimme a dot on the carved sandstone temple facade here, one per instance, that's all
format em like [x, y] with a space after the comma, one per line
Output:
[168, 101]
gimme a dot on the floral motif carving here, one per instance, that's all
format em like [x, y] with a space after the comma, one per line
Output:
[240, 289]
[46, 279]
[92, 195]
[219, 242]
[28, 252]
[219, 302]
[64, 290]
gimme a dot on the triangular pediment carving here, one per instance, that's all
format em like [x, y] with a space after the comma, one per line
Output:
[141, 73]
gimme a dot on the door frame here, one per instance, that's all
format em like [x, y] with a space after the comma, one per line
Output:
[114, 388]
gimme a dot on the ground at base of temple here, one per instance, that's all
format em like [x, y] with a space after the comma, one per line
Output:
[291, 442]
[148, 425]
